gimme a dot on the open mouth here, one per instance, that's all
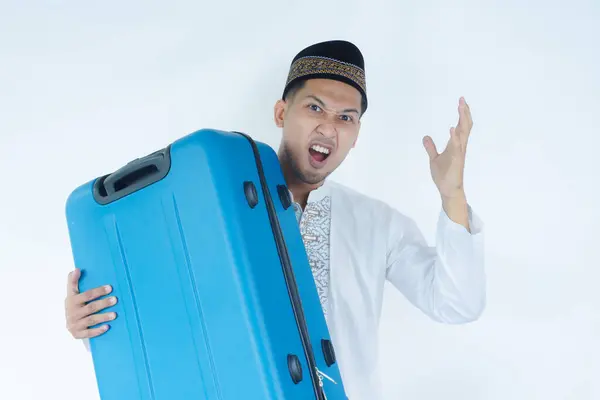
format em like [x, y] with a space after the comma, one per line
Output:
[319, 153]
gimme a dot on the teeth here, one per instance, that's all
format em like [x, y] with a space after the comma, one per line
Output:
[320, 149]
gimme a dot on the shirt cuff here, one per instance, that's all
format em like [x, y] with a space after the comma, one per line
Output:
[475, 223]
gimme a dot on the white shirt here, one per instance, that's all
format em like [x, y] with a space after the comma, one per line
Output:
[355, 243]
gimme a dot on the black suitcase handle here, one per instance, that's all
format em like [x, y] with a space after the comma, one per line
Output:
[132, 177]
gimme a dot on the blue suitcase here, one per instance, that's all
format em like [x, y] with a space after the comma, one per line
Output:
[216, 296]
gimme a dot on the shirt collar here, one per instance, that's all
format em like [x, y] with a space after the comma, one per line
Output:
[317, 194]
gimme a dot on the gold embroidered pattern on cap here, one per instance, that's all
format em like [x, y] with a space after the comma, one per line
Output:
[323, 65]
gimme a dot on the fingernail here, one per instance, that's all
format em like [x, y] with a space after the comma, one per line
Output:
[107, 288]
[113, 300]
[113, 315]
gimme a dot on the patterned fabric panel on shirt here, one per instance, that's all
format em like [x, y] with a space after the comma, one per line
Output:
[315, 226]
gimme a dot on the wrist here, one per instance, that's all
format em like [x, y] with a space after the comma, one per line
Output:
[458, 197]
[456, 209]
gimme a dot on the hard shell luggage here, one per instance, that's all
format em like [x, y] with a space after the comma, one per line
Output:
[216, 298]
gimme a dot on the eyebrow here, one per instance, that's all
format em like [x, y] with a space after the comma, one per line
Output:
[323, 105]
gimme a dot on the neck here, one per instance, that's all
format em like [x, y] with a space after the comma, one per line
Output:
[300, 190]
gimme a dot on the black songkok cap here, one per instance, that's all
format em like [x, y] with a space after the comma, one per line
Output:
[335, 59]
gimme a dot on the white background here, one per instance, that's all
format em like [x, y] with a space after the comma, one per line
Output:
[87, 86]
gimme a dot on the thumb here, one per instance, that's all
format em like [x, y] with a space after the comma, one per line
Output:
[73, 281]
[430, 147]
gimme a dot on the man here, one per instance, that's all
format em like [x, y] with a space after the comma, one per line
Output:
[355, 243]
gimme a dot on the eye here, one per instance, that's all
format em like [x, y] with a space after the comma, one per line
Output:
[314, 107]
[346, 118]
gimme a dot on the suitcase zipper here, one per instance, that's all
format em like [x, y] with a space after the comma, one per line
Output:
[321, 375]
[315, 374]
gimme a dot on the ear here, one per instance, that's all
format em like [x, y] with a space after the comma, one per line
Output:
[279, 111]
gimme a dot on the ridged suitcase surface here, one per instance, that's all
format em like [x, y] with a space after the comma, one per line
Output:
[216, 296]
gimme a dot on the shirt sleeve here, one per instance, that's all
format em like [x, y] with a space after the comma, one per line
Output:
[447, 282]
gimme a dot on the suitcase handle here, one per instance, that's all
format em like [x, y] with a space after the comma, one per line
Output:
[134, 176]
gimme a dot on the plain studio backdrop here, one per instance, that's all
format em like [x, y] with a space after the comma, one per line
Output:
[87, 86]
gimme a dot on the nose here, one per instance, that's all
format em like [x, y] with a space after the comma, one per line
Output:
[327, 129]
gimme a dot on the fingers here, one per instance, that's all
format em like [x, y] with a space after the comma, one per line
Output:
[92, 294]
[462, 114]
[92, 308]
[465, 122]
[81, 329]
[81, 317]
[430, 147]
[73, 281]
[454, 137]
[82, 309]
[468, 114]
[80, 298]
[91, 333]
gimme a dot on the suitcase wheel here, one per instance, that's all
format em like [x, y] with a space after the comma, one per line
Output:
[295, 368]
[328, 352]
[251, 194]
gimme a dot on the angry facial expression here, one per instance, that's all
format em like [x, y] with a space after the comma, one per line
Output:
[320, 124]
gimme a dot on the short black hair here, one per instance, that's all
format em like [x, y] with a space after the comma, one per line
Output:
[294, 88]
[299, 84]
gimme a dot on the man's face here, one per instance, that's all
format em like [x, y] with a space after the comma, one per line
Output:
[320, 125]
